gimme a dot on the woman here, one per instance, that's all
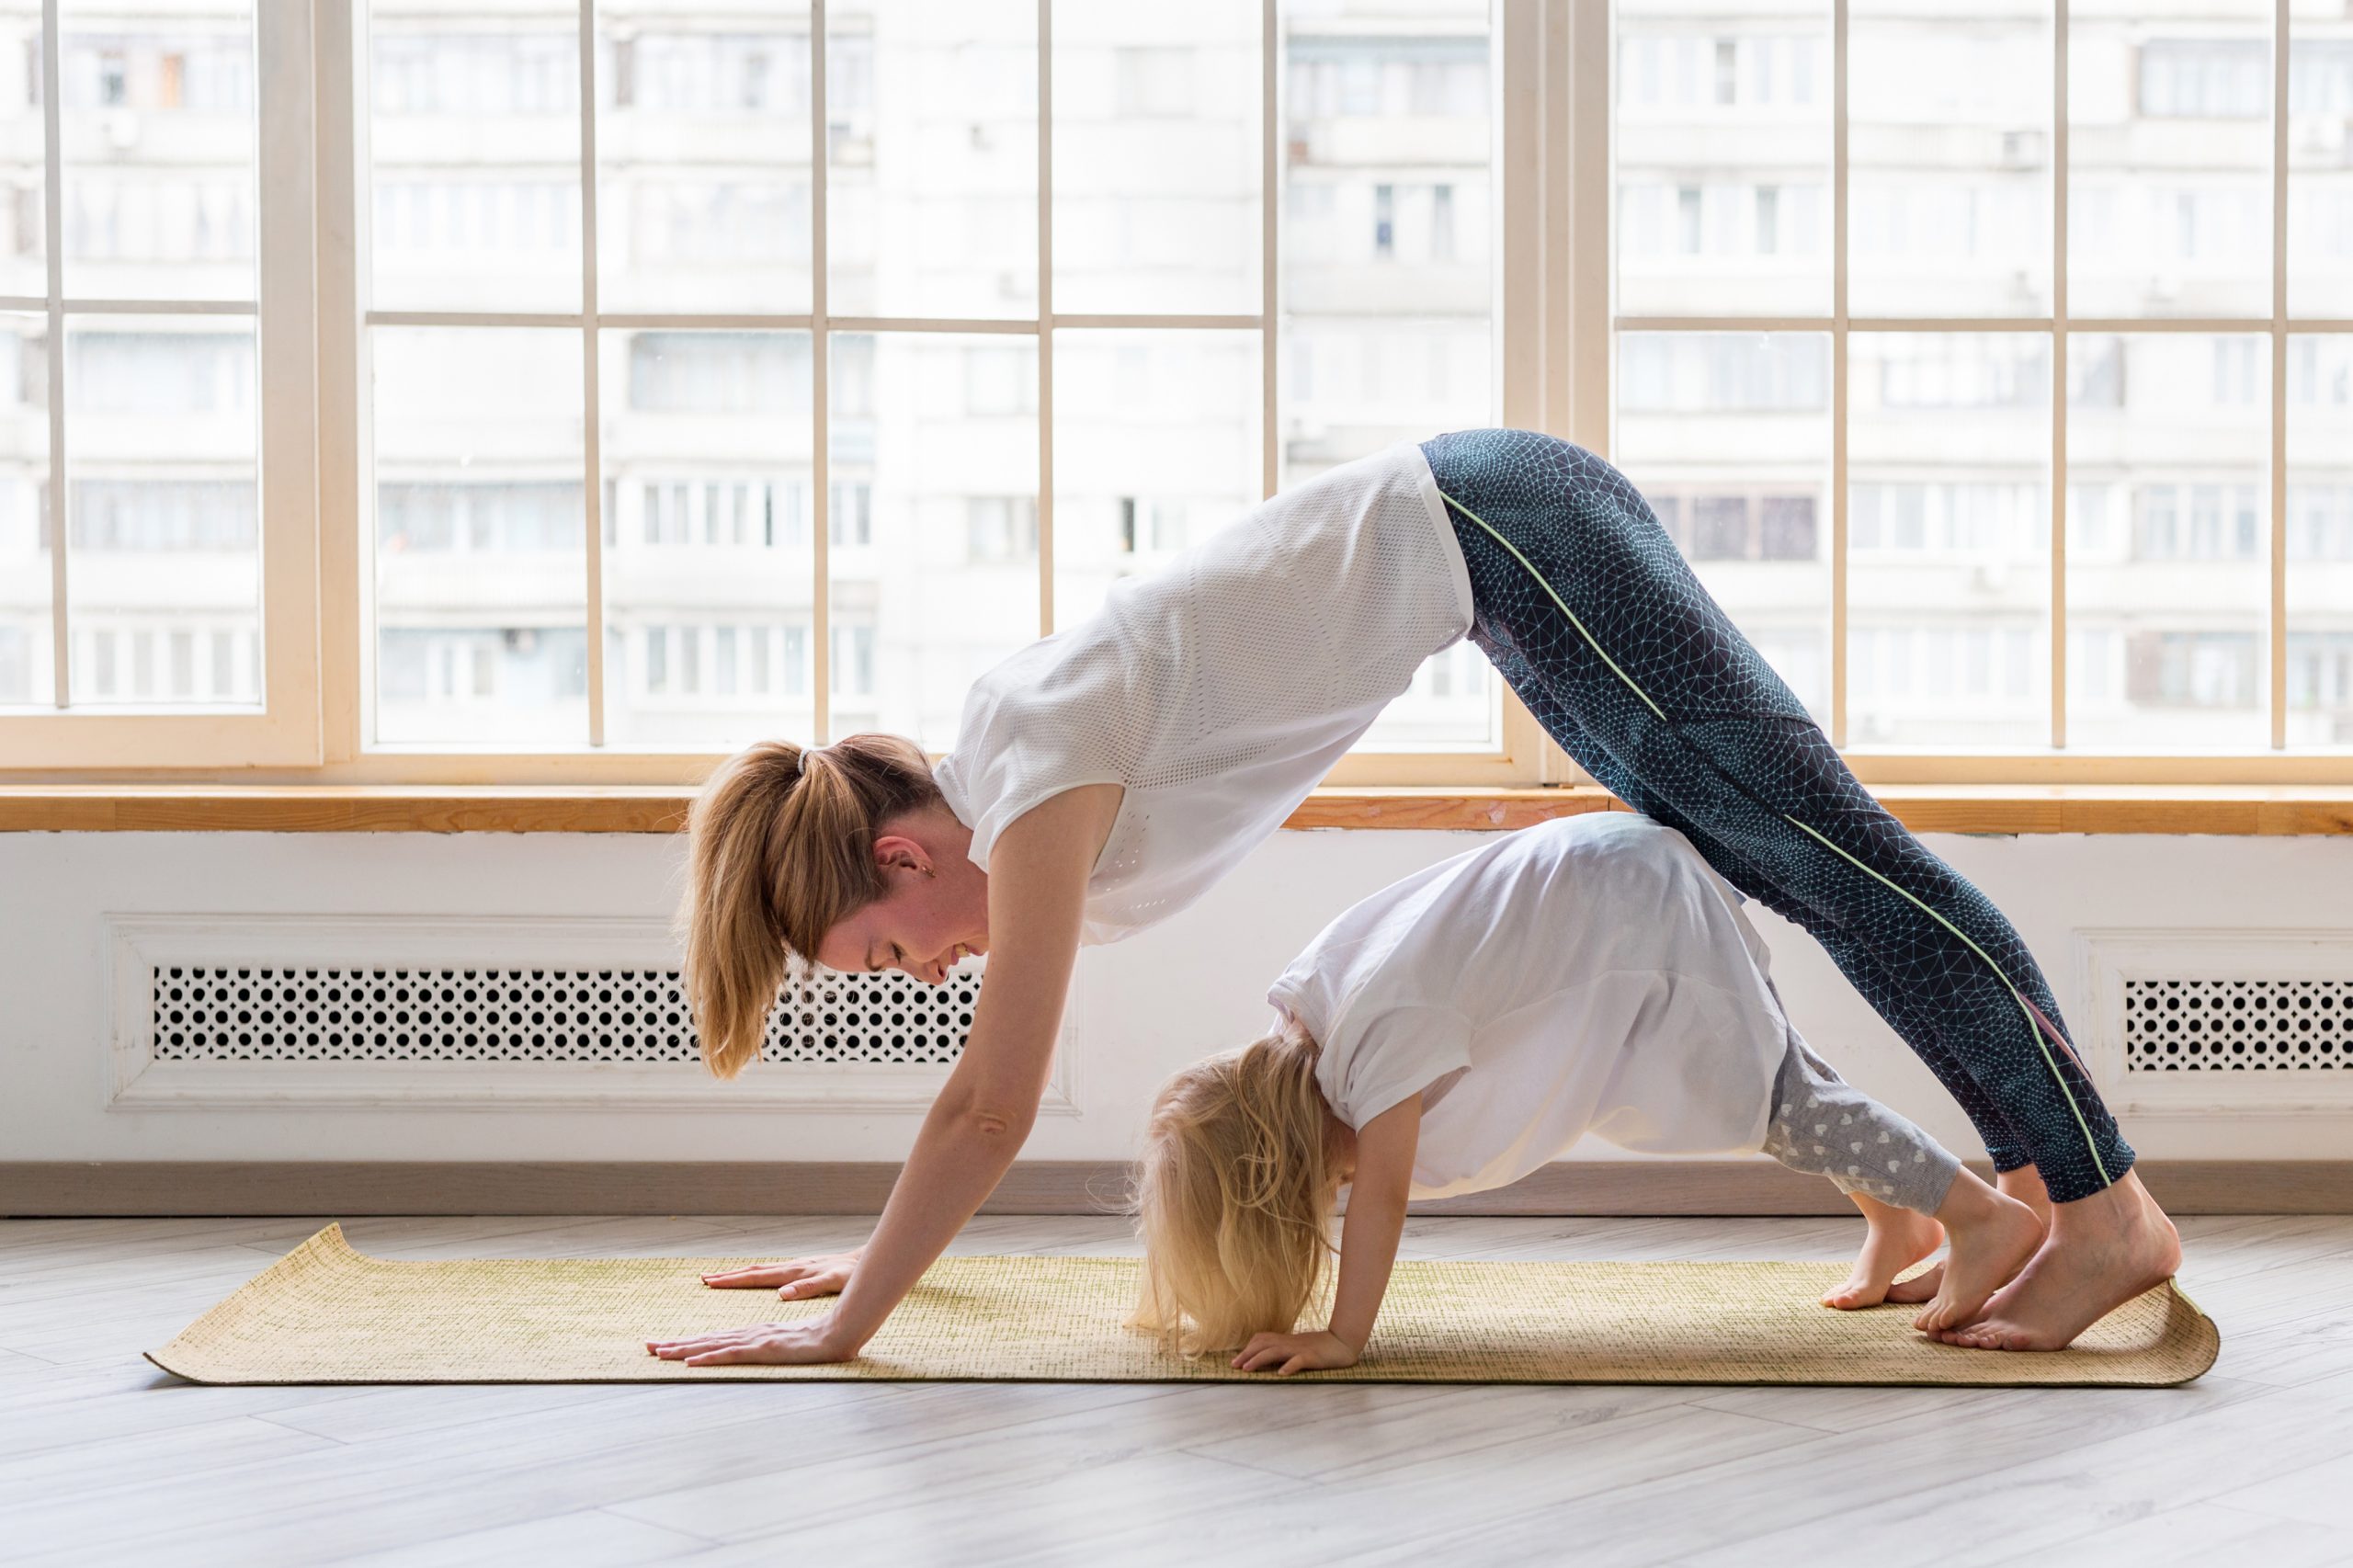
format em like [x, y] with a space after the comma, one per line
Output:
[1106, 775]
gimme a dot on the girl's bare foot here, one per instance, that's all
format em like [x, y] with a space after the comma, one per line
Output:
[2025, 1183]
[1897, 1239]
[2103, 1250]
[1992, 1236]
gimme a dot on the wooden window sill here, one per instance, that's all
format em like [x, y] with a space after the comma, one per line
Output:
[652, 808]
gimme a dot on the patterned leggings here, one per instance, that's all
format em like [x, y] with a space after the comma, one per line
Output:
[1600, 625]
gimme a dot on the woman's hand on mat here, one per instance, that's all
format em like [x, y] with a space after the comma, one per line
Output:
[1287, 1353]
[774, 1343]
[795, 1278]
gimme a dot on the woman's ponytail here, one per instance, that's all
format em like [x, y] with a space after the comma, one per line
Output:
[780, 849]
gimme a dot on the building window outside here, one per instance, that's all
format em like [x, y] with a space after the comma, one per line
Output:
[1739, 225]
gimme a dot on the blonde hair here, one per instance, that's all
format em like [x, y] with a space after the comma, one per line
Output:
[1235, 1196]
[782, 848]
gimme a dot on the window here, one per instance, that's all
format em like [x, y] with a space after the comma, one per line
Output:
[153, 259]
[1002, 528]
[2209, 78]
[1931, 586]
[852, 514]
[695, 379]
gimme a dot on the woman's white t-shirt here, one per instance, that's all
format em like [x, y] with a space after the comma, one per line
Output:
[1220, 689]
[1592, 974]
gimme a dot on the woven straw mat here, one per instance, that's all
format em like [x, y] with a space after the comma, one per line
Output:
[327, 1314]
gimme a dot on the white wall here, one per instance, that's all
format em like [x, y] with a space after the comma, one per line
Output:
[1142, 1008]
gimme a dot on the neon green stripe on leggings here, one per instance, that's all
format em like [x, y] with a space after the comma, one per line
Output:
[2033, 1029]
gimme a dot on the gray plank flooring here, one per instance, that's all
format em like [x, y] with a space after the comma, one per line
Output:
[104, 1460]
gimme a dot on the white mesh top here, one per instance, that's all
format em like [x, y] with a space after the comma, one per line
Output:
[1220, 689]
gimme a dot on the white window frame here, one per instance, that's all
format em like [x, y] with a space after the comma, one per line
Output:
[1522, 755]
[1556, 333]
[285, 730]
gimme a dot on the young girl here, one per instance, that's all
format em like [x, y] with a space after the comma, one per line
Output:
[1108, 775]
[1455, 1031]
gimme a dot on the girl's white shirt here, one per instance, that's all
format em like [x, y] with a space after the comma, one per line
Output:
[1221, 688]
[1591, 974]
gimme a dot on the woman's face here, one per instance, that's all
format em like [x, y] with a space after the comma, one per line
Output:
[935, 912]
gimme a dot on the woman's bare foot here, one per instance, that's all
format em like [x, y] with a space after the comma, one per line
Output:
[1992, 1236]
[1897, 1239]
[2103, 1250]
[2025, 1183]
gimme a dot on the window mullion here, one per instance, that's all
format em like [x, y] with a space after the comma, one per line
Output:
[345, 439]
[1269, 271]
[1045, 318]
[820, 638]
[1838, 374]
[2059, 328]
[1517, 61]
[2279, 639]
[592, 494]
[1592, 337]
[53, 227]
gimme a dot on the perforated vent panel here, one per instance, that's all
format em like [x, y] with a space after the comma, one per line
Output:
[2237, 1025]
[630, 1015]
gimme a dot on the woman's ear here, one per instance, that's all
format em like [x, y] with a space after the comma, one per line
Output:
[895, 852]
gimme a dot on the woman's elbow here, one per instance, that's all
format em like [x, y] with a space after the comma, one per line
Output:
[991, 1119]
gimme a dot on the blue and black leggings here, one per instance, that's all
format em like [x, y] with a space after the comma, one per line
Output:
[1586, 606]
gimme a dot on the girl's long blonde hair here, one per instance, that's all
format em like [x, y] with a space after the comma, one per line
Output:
[781, 847]
[1235, 1196]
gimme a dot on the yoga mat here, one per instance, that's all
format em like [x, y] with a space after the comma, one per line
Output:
[325, 1313]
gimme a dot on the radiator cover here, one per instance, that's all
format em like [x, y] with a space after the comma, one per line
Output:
[224, 1013]
[397, 1012]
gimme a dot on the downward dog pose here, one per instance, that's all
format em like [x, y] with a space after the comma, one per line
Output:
[1104, 777]
[1455, 1031]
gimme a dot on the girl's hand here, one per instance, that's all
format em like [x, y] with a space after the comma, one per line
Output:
[1289, 1353]
[773, 1344]
[795, 1278]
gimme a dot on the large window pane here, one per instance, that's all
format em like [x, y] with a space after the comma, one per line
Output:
[1387, 293]
[2169, 139]
[931, 110]
[1156, 157]
[1727, 434]
[1949, 139]
[24, 178]
[480, 554]
[163, 537]
[2320, 164]
[28, 670]
[707, 546]
[1349, 388]
[157, 136]
[1722, 144]
[933, 525]
[2169, 542]
[1387, 272]
[1947, 540]
[473, 146]
[1158, 446]
[703, 151]
[2320, 540]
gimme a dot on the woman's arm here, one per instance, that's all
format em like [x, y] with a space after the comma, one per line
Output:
[1037, 874]
[1369, 1239]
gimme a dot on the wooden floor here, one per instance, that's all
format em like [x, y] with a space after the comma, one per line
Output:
[104, 1460]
